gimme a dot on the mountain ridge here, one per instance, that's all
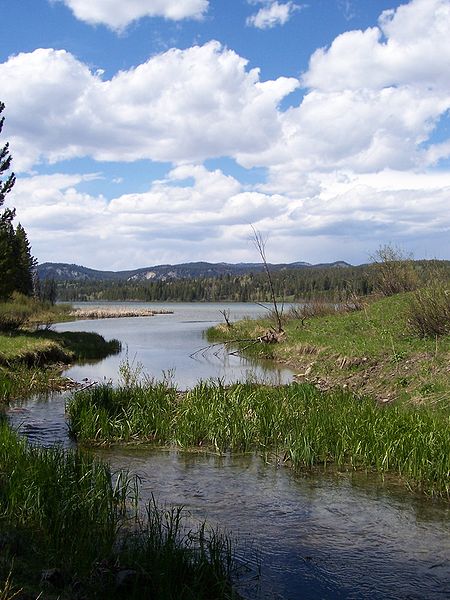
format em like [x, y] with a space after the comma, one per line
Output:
[167, 272]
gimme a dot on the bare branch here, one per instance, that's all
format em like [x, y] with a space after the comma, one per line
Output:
[260, 245]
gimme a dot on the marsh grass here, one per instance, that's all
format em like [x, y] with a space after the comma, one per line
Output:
[66, 510]
[24, 381]
[200, 556]
[114, 312]
[32, 362]
[25, 312]
[307, 427]
[67, 498]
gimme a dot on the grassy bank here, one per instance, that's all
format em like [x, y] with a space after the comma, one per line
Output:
[31, 362]
[23, 312]
[306, 427]
[68, 530]
[372, 351]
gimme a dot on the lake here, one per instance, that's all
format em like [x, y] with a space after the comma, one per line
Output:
[164, 344]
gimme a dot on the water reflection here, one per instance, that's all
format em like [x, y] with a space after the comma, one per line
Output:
[166, 343]
[41, 419]
[316, 536]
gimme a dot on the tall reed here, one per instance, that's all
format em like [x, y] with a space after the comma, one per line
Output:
[166, 543]
[65, 509]
[68, 497]
[308, 427]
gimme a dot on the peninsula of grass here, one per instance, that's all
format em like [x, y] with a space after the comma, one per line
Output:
[99, 312]
[31, 362]
[69, 528]
[298, 424]
[371, 351]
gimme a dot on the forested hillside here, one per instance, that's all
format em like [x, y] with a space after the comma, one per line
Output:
[290, 285]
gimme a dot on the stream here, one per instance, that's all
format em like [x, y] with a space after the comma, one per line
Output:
[311, 536]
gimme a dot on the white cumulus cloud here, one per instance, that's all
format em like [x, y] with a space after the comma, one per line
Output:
[182, 105]
[410, 46]
[197, 213]
[117, 14]
[351, 161]
[272, 14]
[373, 98]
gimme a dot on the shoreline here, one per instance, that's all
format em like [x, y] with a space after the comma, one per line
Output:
[369, 352]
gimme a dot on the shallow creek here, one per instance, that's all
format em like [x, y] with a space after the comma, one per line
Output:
[320, 536]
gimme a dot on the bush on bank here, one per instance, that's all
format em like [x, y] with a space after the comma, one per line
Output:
[22, 311]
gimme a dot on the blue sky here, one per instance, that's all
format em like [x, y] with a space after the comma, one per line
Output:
[160, 131]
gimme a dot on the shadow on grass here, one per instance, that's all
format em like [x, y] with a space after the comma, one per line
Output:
[84, 346]
[34, 364]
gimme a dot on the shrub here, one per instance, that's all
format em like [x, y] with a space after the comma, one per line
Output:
[16, 312]
[20, 311]
[314, 308]
[428, 311]
[319, 307]
[393, 271]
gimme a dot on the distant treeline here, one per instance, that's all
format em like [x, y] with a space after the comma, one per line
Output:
[335, 283]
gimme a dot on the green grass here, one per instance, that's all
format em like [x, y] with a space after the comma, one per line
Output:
[371, 351]
[29, 355]
[65, 510]
[27, 360]
[21, 312]
[307, 427]
[30, 348]
[43, 346]
[83, 346]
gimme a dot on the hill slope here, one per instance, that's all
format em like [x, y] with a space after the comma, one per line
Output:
[194, 270]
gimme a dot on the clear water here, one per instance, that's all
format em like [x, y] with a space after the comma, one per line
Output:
[317, 536]
[320, 536]
[172, 344]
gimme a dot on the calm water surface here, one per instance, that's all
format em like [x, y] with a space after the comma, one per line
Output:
[165, 343]
[321, 536]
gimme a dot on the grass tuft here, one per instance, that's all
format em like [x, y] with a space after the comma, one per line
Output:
[428, 312]
[308, 427]
[66, 511]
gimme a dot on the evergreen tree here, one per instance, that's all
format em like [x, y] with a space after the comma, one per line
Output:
[24, 263]
[47, 290]
[16, 263]
[5, 186]
[7, 266]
